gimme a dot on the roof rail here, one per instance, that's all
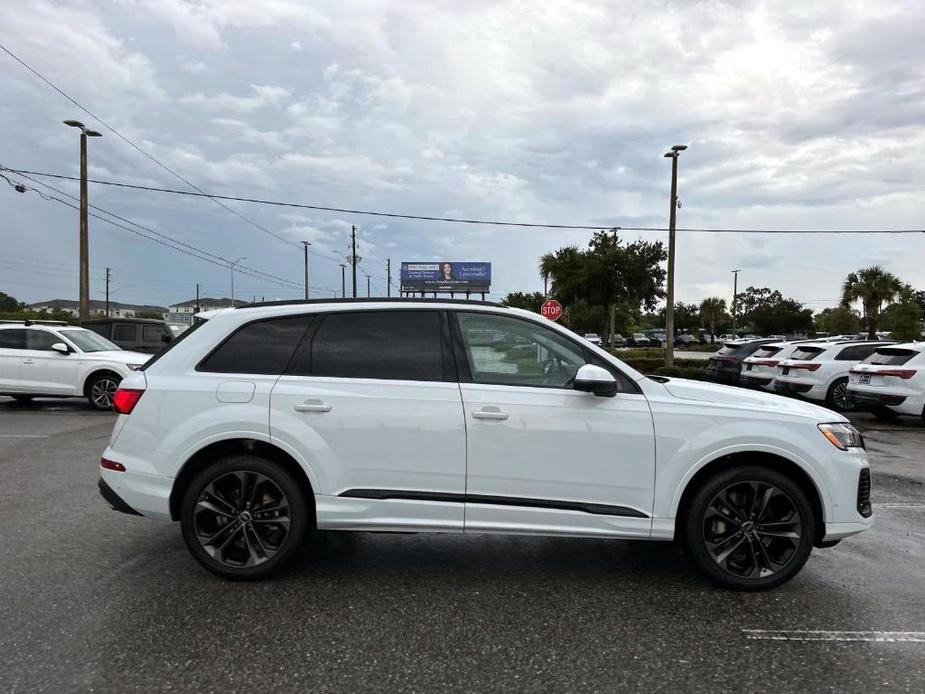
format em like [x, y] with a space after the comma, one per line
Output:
[370, 300]
[36, 321]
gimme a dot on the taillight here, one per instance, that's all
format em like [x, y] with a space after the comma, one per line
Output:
[899, 373]
[806, 367]
[125, 399]
[111, 465]
[764, 362]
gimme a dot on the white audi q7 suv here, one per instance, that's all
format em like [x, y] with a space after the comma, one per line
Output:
[260, 424]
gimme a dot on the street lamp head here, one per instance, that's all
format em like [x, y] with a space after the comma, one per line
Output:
[679, 148]
[92, 133]
[670, 155]
[74, 124]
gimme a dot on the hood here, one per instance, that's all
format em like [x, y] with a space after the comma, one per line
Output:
[730, 395]
[123, 356]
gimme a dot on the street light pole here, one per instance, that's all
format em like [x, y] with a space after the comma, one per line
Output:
[735, 299]
[343, 281]
[232, 277]
[673, 207]
[306, 244]
[368, 293]
[84, 284]
[353, 258]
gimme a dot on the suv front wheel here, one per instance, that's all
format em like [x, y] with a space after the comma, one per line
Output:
[749, 528]
[243, 517]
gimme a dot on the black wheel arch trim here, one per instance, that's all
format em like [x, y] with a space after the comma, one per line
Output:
[449, 497]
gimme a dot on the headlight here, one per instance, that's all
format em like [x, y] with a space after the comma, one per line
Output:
[842, 435]
[134, 367]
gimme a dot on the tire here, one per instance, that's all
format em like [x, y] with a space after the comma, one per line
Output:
[884, 414]
[241, 541]
[101, 388]
[742, 554]
[23, 399]
[838, 398]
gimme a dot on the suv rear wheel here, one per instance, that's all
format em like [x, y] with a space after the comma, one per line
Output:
[243, 517]
[749, 528]
[838, 398]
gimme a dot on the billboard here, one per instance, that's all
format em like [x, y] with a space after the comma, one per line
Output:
[445, 276]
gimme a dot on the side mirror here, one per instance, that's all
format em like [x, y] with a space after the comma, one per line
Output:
[61, 348]
[165, 338]
[594, 379]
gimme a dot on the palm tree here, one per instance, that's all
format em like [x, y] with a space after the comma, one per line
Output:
[712, 309]
[872, 286]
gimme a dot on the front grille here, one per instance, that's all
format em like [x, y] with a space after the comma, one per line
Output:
[864, 507]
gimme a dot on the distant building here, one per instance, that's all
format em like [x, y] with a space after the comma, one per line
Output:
[98, 308]
[184, 311]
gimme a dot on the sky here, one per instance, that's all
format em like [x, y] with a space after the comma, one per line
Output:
[796, 115]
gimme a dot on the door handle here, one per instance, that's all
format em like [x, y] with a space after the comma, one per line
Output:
[28, 361]
[312, 406]
[490, 413]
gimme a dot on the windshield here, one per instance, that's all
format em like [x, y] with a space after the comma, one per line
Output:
[89, 341]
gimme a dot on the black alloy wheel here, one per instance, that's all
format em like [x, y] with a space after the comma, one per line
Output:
[243, 518]
[839, 398]
[750, 528]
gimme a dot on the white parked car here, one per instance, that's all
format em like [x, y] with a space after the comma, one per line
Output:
[760, 369]
[262, 423]
[892, 380]
[819, 371]
[59, 360]
[593, 338]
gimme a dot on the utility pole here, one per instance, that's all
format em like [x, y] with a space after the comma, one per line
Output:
[84, 285]
[343, 281]
[306, 244]
[735, 299]
[197, 297]
[388, 277]
[353, 258]
[546, 289]
[368, 292]
[672, 212]
[107, 292]
[232, 277]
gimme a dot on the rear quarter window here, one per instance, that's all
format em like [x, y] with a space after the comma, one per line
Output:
[260, 347]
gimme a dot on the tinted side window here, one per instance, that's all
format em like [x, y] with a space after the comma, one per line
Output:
[39, 339]
[397, 345]
[515, 352]
[124, 332]
[14, 338]
[151, 333]
[261, 347]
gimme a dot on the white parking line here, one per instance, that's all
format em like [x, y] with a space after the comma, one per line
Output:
[822, 635]
[899, 504]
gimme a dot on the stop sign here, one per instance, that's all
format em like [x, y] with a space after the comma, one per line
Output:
[551, 309]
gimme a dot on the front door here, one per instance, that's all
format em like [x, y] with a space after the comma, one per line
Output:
[372, 404]
[543, 457]
[45, 370]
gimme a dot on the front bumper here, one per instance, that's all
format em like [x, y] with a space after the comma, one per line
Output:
[114, 500]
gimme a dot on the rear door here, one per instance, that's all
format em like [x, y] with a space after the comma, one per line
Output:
[12, 343]
[45, 370]
[126, 335]
[372, 404]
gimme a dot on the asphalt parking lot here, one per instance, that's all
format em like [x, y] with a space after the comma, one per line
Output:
[93, 600]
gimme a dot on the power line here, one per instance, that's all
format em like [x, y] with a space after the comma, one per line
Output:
[174, 243]
[460, 220]
[139, 149]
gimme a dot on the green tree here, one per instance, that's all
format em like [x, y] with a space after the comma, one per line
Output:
[872, 286]
[608, 274]
[840, 320]
[902, 318]
[712, 311]
[10, 304]
[769, 313]
[529, 301]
